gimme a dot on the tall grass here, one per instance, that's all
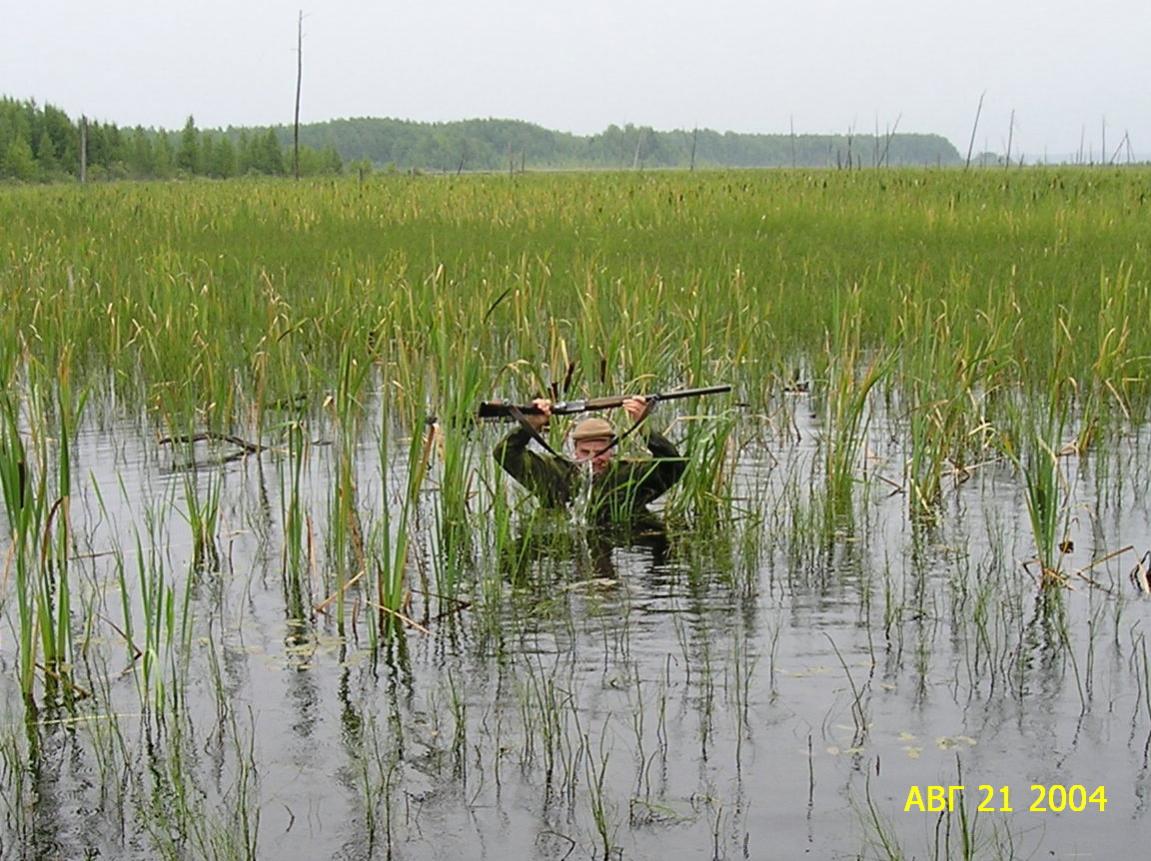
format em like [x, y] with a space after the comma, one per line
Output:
[852, 374]
[223, 299]
[36, 479]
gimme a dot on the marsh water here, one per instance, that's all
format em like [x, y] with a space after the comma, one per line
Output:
[764, 686]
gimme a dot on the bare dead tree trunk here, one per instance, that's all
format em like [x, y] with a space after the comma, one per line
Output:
[299, 81]
[886, 157]
[1118, 149]
[694, 135]
[1103, 140]
[1010, 134]
[638, 144]
[83, 150]
[791, 126]
[974, 126]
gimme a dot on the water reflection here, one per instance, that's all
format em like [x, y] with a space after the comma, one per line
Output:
[550, 544]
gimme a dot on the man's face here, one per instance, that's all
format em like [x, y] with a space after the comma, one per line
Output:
[594, 450]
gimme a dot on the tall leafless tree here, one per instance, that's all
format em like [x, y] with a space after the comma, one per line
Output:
[974, 126]
[83, 150]
[299, 81]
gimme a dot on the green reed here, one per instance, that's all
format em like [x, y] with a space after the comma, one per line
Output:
[345, 544]
[203, 516]
[459, 390]
[948, 376]
[1115, 370]
[291, 501]
[704, 495]
[39, 516]
[25, 510]
[1034, 447]
[149, 634]
[851, 377]
[396, 532]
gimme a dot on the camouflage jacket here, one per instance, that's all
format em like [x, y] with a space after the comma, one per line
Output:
[623, 489]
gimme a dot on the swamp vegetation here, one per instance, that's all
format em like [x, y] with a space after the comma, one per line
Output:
[256, 604]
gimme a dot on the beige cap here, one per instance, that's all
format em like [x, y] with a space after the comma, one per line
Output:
[593, 429]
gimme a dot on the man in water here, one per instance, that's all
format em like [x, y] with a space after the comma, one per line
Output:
[619, 488]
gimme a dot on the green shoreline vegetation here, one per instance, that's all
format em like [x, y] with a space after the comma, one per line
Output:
[42, 143]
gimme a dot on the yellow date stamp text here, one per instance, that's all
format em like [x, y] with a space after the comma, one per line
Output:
[1041, 798]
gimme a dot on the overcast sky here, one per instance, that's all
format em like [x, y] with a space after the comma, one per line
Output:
[1064, 66]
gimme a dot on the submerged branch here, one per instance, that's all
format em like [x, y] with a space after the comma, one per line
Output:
[212, 436]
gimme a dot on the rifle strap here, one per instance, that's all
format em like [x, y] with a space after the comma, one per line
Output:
[652, 400]
[527, 426]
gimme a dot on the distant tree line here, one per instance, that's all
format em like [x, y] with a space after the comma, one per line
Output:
[494, 144]
[42, 143]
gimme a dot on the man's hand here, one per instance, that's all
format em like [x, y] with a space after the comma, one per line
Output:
[637, 408]
[540, 421]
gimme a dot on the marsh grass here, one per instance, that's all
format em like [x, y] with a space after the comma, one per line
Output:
[203, 515]
[851, 377]
[37, 500]
[949, 331]
[704, 496]
[951, 377]
[1033, 443]
[231, 298]
[397, 531]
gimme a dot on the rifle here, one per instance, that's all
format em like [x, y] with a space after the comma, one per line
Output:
[498, 410]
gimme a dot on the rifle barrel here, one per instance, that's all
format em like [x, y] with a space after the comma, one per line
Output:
[691, 393]
[497, 410]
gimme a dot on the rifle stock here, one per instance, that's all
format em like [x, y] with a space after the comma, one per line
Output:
[498, 410]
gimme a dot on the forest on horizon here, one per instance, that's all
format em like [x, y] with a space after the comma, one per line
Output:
[42, 143]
